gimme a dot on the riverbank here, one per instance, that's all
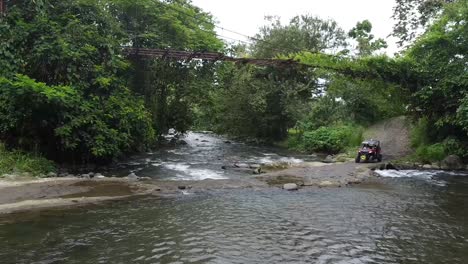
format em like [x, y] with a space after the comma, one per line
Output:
[41, 194]
[204, 162]
[26, 194]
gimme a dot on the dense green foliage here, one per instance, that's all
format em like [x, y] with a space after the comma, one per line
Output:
[441, 99]
[327, 139]
[266, 102]
[172, 89]
[429, 81]
[414, 15]
[423, 138]
[68, 91]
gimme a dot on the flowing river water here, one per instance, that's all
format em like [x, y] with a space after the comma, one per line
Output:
[403, 217]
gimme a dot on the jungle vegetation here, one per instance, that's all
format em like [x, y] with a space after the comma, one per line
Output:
[69, 93]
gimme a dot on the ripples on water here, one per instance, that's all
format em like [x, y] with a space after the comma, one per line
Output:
[203, 157]
[407, 219]
[388, 222]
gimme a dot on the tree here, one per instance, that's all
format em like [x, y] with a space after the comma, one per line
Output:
[414, 15]
[168, 86]
[442, 53]
[366, 43]
[303, 33]
[65, 93]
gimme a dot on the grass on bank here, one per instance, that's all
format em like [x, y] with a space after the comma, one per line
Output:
[19, 162]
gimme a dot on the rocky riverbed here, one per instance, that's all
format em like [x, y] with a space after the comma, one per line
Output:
[20, 194]
[23, 194]
[203, 162]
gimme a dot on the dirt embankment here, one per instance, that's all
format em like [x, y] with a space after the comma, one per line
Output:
[394, 135]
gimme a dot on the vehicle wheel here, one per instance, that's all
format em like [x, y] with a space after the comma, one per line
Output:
[379, 158]
[358, 158]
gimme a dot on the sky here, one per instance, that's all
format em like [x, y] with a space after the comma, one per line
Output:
[247, 16]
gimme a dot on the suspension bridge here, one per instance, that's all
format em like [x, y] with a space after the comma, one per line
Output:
[206, 56]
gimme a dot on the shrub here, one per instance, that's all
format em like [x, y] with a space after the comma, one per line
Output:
[431, 153]
[453, 146]
[332, 139]
[418, 133]
[20, 162]
[429, 146]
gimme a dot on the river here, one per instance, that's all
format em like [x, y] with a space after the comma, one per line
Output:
[404, 217]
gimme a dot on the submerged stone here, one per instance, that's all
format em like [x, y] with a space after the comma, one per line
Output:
[327, 184]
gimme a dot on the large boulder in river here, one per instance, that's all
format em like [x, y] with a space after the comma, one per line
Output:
[290, 187]
[452, 162]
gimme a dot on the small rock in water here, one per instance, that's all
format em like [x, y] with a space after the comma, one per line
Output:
[427, 167]
[228, 142]
[325, 184]
[291, 187]
[242, 165]
[99, 176]
[254, 166]
[329, 159]
[132, 176]
[52, 175]
[86, 176]
[182, 187]
[257, 171]
[390, 166]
